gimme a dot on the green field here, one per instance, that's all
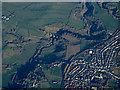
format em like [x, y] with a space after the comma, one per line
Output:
[75, 23]
[7, 76]
[19, 58]
[39, 14]
[110, 23]
[55, 74]
[78, 24]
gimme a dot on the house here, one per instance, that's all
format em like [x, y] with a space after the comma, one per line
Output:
[54, 82]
